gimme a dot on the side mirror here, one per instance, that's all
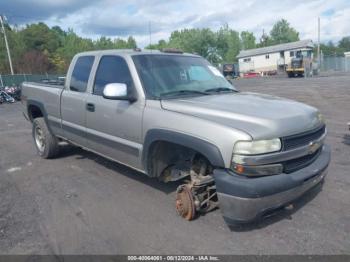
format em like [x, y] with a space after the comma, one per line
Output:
[117, 91]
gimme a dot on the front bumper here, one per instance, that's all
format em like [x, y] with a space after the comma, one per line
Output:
[243, 199]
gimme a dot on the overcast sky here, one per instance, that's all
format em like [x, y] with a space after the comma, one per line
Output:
[116, 18]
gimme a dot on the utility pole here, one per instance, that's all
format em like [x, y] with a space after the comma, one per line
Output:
[319, 40]
[6, 43]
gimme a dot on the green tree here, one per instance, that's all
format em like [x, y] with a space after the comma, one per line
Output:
[131, 42]
[199, 41]
[344, 43]
[40, 37]
[247, 40]
[228, 44]
[17, 49]
[72, 45]
[120, 43]
[329, 49]
[160, 45]
[103, 43]
[60, 33]
[282, 32]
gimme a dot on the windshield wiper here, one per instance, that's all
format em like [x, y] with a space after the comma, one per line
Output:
[220, 89]
[183, 92]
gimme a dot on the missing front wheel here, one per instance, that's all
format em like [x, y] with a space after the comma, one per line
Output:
[198, 195]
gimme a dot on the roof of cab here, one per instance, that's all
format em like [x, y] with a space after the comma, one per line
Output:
[132, 52]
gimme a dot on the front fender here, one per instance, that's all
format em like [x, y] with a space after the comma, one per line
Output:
[207, 149]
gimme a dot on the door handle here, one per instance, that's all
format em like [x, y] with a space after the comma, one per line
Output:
[90, 107]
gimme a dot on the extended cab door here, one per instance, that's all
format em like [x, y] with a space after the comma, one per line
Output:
[114, 126]
[73, 100]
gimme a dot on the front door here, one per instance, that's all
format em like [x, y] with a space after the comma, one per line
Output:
[114, 126]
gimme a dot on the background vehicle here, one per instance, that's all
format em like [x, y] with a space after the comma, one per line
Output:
[14, 91]
[161, 113]
[301, 65]
[6, 98]
[229, 70]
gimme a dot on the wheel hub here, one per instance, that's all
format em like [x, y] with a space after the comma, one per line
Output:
[39, 139]
[185, 203]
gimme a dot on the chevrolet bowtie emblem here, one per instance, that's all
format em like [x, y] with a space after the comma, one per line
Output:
[313, 146]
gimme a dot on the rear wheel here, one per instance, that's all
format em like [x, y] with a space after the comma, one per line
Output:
[45, 142]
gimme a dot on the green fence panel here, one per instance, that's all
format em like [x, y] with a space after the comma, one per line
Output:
[10, 80]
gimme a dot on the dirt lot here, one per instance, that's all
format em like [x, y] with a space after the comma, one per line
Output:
[83, 204]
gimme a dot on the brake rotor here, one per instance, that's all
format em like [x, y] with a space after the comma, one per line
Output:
[185, 203]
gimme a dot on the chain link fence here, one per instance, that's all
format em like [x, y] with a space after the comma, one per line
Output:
[335, 64]
[16, 80]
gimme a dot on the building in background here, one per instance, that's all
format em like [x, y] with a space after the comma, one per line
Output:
[273, 59]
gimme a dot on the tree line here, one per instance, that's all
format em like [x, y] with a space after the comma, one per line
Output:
[37, 48]
[224, 45]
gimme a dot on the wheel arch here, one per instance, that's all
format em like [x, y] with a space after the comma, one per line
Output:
[37, 109]
[210, 151]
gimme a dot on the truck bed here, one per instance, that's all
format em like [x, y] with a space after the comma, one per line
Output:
[44, 94]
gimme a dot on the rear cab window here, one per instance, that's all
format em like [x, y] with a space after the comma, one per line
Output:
[81, 73]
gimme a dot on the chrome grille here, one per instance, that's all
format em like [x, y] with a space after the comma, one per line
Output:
[302, 139]
[293, 165]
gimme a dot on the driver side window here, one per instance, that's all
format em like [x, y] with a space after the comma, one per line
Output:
[111, 69]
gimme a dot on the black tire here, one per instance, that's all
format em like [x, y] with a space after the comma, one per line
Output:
[47, 146]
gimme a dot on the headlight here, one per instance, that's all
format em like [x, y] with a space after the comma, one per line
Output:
[257, 147]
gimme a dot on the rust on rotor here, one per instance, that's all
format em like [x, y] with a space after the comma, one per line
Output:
[185, 203]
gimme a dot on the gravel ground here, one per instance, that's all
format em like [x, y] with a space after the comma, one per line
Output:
[81, 203]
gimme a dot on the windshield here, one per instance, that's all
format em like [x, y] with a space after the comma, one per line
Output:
[165, 76]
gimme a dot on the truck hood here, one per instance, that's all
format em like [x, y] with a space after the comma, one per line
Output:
[261, 116]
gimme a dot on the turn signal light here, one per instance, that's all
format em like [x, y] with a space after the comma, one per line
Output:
[239, 169]
[256, 171]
